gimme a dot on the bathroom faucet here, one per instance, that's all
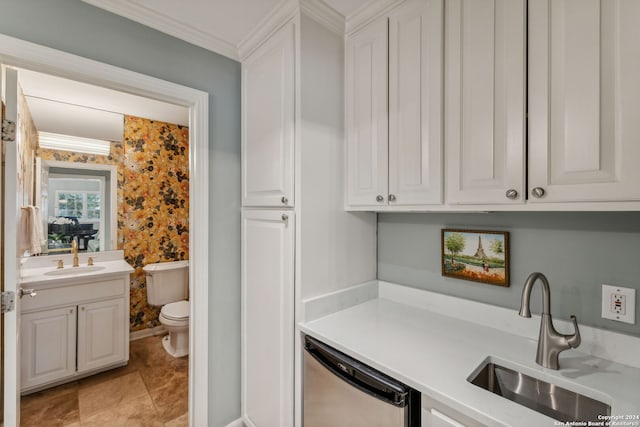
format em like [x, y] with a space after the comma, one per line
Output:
[550, 342]
[74, 251]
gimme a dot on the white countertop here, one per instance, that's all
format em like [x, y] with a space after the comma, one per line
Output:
[33, 272]
[435, 354]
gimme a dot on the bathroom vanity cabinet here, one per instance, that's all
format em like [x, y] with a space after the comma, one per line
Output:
[72, 330]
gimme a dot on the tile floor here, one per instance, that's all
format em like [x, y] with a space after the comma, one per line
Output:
[150, 391]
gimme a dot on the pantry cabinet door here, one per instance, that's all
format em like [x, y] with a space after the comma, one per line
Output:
[367, 123]
[267, 268]
[485, 44]
[268, 120]
[584, 100]
[415, 103]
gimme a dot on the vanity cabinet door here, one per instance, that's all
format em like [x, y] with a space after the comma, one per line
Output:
[584, 103]
[48, 346]
[268, 119]
[101, 334]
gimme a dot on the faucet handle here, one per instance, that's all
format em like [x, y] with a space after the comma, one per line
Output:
[60, 263]
[574, 340]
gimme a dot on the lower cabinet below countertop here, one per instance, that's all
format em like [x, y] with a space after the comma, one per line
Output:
[436, 414]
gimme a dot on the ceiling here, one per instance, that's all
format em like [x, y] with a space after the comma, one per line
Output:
[217, 25]
[67, 107]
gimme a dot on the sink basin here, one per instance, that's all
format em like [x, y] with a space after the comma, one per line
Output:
[541, 396]
[74, 271]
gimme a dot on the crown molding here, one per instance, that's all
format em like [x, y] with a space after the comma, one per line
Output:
[369, 12]
[167, 25]
[280, 14]
[324, 14]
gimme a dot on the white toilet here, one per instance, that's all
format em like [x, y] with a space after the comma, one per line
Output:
[168, 286]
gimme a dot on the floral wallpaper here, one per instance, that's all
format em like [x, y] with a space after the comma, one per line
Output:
[156, 204]
[153, 201]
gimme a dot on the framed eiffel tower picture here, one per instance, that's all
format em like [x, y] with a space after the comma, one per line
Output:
[476, 255]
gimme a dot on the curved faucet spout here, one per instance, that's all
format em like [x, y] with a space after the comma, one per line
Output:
[525, 311]
[550, 342]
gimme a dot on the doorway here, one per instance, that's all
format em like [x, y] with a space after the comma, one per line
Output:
[20, 54]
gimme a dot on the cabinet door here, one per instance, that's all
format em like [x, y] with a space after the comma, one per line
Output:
[101, 334]
[48, 346]
[367, 110]
[267, 318]
[436, 414]
[584, 100]
[485, 98]
[268, 119]
[415, 103]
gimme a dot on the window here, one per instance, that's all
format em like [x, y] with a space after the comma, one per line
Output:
[84, 205]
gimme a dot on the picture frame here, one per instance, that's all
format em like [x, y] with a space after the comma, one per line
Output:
[476, 255]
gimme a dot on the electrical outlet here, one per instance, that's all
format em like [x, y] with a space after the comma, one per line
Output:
[619, 303]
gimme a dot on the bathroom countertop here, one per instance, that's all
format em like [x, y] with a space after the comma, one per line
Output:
[436, 354]
[33, 273]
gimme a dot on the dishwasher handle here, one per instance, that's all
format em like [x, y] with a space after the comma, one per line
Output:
[361, 376]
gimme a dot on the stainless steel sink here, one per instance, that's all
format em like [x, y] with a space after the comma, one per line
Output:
[541, 396]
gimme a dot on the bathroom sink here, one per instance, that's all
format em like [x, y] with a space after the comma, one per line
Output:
[74, 271]
[541, 396]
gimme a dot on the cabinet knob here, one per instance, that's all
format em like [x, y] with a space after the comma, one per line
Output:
[284, 200]
[511, 194]
[538, 192]
[379, 198]
[285, 217]
[392, 197]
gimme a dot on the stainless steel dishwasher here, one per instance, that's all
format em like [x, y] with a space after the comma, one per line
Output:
[340, 391]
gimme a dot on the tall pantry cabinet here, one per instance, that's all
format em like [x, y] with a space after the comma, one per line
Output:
[297, 240]
[268, 128]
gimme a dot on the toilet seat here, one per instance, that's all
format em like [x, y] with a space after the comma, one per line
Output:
[176, 311]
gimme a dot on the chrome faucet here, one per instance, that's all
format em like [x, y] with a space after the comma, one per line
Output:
[550, 342]
[74, 250]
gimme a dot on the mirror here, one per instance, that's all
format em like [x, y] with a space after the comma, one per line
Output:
[78, 201]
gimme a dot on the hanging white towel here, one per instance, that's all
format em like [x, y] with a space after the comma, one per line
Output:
[31, 230]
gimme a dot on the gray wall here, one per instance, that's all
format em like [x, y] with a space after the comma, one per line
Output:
[576, 251]
[81, 29]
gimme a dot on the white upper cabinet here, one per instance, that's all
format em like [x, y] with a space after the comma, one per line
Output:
[540, 110]
[584, 100]
[415, 103]
[394, 108]
[268, 120]
[485, 97]
[367, 133]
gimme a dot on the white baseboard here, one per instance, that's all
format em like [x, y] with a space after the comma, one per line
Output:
[236, 423]
[149, 332]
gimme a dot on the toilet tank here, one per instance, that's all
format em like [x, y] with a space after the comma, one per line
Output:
[167, 282]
